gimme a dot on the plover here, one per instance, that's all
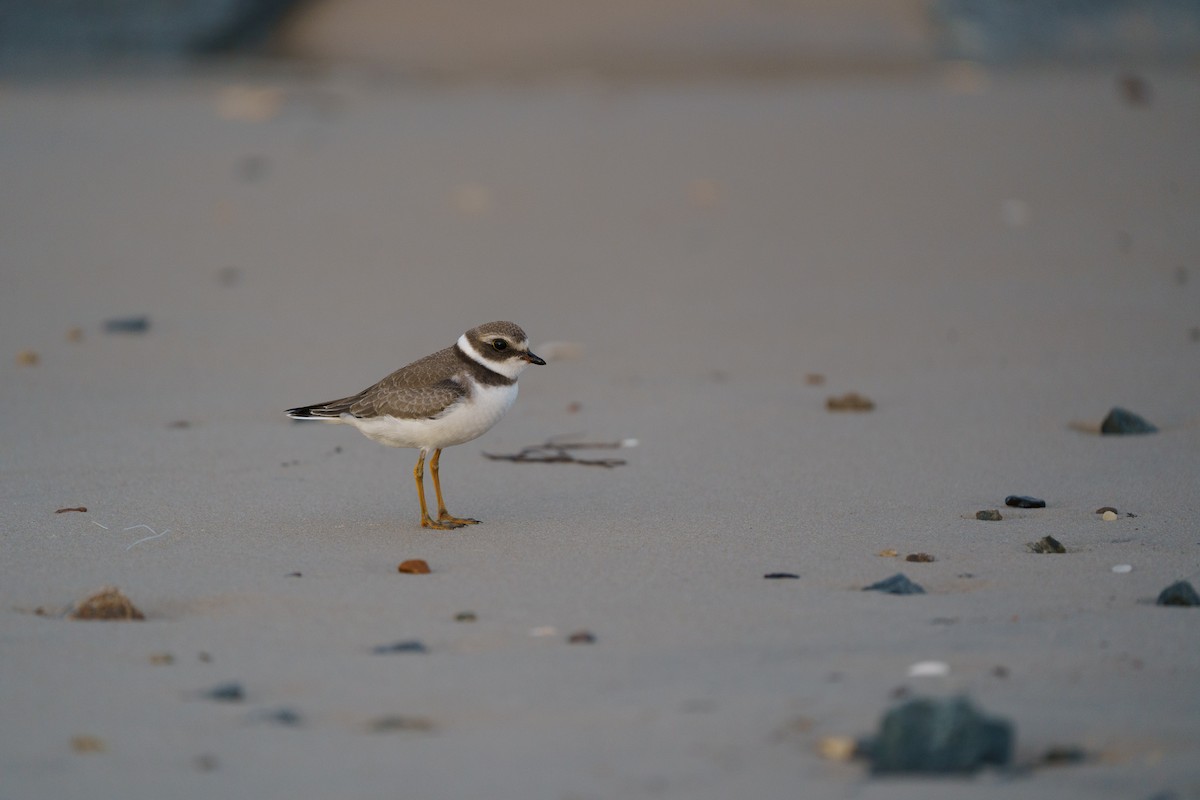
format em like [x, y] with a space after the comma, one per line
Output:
[443, 399]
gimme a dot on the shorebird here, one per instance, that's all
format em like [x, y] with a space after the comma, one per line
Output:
[446, 398]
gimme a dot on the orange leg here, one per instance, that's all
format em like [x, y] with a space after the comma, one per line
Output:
[444, 515]
[419, 475]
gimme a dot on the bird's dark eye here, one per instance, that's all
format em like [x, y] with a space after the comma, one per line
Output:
[500, 344]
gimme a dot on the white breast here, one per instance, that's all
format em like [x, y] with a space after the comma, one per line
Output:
[479, 411]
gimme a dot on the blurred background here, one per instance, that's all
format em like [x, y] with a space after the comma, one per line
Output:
[523, 38]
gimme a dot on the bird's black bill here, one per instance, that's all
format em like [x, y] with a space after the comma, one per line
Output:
[532, 359]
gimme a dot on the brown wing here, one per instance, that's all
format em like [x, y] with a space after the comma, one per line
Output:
[411, 392]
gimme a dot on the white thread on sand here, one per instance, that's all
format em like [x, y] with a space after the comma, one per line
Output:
[145, 538]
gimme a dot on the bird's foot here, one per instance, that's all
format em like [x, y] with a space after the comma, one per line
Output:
[446, 522]
[458, 522]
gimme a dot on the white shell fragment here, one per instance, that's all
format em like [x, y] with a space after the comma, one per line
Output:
[929, 669]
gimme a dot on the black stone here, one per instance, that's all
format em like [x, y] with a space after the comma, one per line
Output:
[1180, 593]
[926, 735]
[127, 325]
[897, 584]
[989, 515]
[226, 693]
[778, 575]
[1024, 501]
[1122, 422]
[409, 646]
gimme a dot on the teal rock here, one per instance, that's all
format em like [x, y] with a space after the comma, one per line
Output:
[1121, 422]
[926, 735]
[1179, 593]
[897, 584]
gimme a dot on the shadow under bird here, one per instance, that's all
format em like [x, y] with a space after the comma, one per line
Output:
[446, 398]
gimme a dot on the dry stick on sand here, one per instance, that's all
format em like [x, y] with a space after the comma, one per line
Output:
[552, 452]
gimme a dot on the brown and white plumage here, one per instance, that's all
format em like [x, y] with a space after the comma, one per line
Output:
[443, 399]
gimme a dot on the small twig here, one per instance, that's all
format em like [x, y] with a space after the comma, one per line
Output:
[553, 452]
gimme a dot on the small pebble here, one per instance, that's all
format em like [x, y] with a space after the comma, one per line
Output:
[851, 401]
[989, 515]
[75, 335]
[1121, 569]
[414, 566]
[543, 631]
[138, 324]
[920, 558]
[1108, 516]
[253, 168]
[205, 762]
[814, 379]
[294, 575]
[1105, 509]
[929, 669]
[837, 748]
[407, 646]
[229, 276]
[1062, 755]
[287, 717]
[204, 657]
[1134, 90]
[1180, 593]
[581, 637]
[81, 509]
[780, 575]
[28, 358]
[396, 722]
[87, 744]
[1024, 501]
[1122, 422]
[1047, 544]
[162, 659]
[897, 584]
[107, 604]
[465, 616]
[888, 553]
[231, 692]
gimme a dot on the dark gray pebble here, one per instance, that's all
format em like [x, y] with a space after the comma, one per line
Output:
[897, 584]
[1061, 755]
[286, 717]
[1123, 422]
[926, 735]
[409, 646]
[1024, 501]
[127, 324]
[397, 722]
[989, 515]
[1047, 544]
[231, 692]
[581, 637]
[1180, 593]
[778, 575]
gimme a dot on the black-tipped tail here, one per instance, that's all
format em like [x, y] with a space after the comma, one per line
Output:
[312, 412]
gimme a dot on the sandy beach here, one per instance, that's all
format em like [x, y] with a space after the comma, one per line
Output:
[995, 259]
